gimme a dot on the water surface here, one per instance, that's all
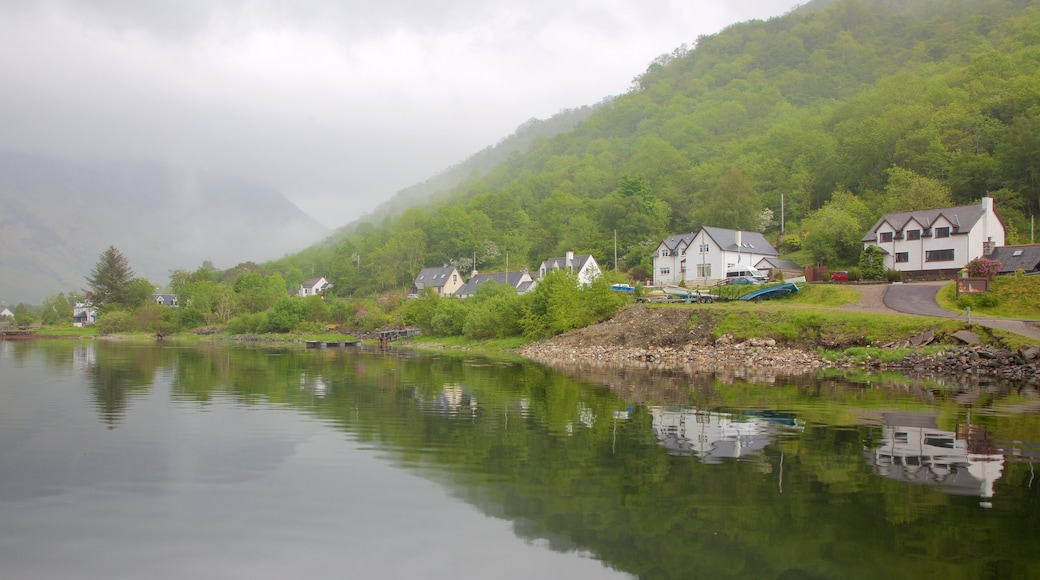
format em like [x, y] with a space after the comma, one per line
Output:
[129, 461]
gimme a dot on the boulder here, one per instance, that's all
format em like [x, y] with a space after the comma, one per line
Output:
[1029, 352]
[966, 336]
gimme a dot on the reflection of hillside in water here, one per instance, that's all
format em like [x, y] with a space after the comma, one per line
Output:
[914, 450]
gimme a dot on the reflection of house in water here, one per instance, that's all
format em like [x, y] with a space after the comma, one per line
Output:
[915, 450]
[452, 399]
[710, 436]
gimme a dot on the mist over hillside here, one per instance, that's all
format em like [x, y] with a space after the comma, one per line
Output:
[57, 217]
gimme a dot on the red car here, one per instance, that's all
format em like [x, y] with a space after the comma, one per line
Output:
[840, 276]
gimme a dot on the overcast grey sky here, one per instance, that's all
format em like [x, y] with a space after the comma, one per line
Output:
[339, 104]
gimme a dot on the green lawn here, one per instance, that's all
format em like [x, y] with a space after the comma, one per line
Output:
[1008, 297]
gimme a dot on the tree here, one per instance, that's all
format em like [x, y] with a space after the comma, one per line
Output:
[109, 279]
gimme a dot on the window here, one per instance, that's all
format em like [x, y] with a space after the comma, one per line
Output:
[665, 253]
[454, 278]
[913, 234]
[902, 256]
[938, 256]
[666, 271]
[1016, 253]
[704, 248]
[886, 236]
[942, 232]
[704, 270]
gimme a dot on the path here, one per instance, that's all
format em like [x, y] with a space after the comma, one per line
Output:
[919, 299]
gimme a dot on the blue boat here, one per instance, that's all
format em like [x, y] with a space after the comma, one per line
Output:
[771, 292]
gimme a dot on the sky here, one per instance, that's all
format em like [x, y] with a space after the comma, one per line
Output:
[338, 104]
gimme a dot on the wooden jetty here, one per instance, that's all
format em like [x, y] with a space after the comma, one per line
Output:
[385, 336]
[332, 343]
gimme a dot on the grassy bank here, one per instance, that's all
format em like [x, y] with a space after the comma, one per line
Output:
[1008, 297]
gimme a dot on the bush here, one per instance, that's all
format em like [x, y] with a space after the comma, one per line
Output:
[113, 321]
[855, 274]
[449, 318]
[247, 323]
[871, 264]
[893, 275]
[983, 268]
[986, 300]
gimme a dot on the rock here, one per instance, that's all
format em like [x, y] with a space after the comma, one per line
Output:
[1029, 352]
[923, 338]
[966, 336]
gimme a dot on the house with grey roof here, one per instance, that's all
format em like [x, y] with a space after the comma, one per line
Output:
[1014, 258]
[314, 287]
[706, 255]
[936, 242]
[584, 266]
[169, 300]
[772, 266]
[446, 280]
[520, 280]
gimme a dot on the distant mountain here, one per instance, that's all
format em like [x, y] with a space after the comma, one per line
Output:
[57, 217]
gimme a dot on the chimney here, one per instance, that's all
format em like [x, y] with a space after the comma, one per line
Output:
[739, 239]
[988, 246]
[569, 260]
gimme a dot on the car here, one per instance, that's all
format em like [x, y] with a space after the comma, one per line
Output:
[741, 280]
[840, 276]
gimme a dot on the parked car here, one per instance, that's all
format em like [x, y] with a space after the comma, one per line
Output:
[740, 280]
[840, 276]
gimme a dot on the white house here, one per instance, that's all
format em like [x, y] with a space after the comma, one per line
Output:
[446, 280]
[705, 255]
[169, 300]
[585, 266]
[83, 314]
[6, 313]
[314, 287]
[937, 240]
[520, 280]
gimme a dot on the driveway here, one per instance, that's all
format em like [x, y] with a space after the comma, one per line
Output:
[919, 298]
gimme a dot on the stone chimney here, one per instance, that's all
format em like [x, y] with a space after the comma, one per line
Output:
[989, 245]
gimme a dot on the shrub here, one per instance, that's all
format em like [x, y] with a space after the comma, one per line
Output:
[113, 321]
[986, 300]
[983, 268]
[893, 275]
[855, 274]
[247, 323]
[871, 264]
[449, 318]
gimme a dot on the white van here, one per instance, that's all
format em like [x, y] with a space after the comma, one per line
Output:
[745, 271]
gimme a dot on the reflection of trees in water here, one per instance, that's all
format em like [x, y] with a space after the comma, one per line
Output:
[117, 373]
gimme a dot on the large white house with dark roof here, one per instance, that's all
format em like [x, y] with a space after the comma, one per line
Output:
[706, 255]
[937, 240]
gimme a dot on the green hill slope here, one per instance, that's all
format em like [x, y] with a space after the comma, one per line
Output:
[900, 103]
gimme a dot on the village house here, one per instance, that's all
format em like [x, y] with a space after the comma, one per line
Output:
[314, 287]
[706, 255]
[446, 280]
[520, 280]
[584, 266]
[1014, 258]
[169, 300]
[83, 314]
[936, 242]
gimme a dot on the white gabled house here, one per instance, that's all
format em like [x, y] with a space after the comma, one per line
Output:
[937, 241]
[314, 287]
[446, 280]
[706, 255]
[584, 266]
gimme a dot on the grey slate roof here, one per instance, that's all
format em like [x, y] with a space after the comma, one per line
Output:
[778, 264]
[577, 263]
[672, 242]
[434, 277]
[962, 217]
[749, 241]
[1027, 258]
[514, 279]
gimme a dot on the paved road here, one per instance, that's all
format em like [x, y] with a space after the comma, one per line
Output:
[919, 298]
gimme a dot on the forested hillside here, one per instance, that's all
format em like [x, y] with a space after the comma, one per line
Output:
[846, 109]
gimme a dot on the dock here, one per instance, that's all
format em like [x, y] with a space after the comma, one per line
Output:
[385, 336]
[332, 343]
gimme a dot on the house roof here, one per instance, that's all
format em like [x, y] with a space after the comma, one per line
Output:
[311, 283]
[779, 263]
[515, 279]
[577, 263]
[749, 241]
[1014, 258]
[434, 277]
[963, 218]
[672, 242]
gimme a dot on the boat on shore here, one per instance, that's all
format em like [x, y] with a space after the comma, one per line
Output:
[771, 292]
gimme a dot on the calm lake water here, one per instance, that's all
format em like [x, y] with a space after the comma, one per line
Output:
[131, 461]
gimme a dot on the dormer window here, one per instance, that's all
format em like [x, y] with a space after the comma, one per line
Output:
[886, 236]
[913, 234]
